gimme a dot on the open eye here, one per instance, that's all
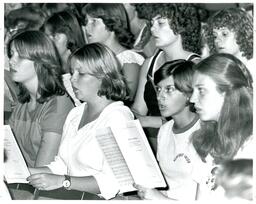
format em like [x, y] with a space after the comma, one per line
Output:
[170, 89]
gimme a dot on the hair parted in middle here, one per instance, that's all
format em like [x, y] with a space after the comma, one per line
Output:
[67, 23]
[115, 17]
[39, 48]
[223, 139]
[102, 63]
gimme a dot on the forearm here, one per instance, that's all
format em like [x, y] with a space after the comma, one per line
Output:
[37, 170]
[87, 184]
[151, 121]
[48, 148]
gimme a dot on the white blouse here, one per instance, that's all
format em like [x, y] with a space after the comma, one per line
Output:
[79, 153]
[130, 56]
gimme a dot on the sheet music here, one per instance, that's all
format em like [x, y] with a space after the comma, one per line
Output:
[115, 159]
[15, 168]
[138, 155]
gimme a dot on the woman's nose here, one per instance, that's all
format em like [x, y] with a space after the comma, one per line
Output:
[160, 95]
[73, 78]
[193, 98]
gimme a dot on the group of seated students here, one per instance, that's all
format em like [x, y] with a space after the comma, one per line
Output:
[70, 71]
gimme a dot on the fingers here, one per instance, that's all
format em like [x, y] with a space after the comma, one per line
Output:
[141, 190]
[37, 181]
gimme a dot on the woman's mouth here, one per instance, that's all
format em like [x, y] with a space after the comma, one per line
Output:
[162, 107]
[12, 70]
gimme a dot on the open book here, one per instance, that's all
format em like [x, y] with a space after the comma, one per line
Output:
[15, 168]
[130, 157]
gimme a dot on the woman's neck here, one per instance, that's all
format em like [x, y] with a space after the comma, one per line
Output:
[174, 54]
[114, 45]
[64, 60]
[183, 119]
[32, 86]
[175, 51]
[94, 109]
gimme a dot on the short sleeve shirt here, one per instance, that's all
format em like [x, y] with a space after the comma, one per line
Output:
[29, 127]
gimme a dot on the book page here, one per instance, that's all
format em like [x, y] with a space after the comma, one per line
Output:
[115, 159]
[15, 168]
[138, 155]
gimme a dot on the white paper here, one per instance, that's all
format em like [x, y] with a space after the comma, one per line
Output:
[15, 168]
[128, 153]
[138, 155]
[115, 159]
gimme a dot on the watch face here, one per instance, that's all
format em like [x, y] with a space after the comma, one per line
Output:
[66, 183]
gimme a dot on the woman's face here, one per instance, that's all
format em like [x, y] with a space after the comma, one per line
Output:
[171, 102]
[225, 41]
[84, 84]
[207, 99]
[60, 40]
[22, 70]
[161, 32]
[96, 30]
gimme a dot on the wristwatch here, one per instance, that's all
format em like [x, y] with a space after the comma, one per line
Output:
[67, 182]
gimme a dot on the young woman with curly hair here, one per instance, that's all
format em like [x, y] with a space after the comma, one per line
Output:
[176, 30]
[231, 31]
[108, 24]
[223, 98]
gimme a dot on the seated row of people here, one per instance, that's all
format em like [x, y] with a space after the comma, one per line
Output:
[99, 77]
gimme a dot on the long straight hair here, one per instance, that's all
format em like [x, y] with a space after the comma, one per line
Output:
[38, 47]
[224, 138]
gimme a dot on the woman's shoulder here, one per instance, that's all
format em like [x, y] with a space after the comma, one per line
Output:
[247, 150]
[61, 102]
[117, 111]
[130, 56]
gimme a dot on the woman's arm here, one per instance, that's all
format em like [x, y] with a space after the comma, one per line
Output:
[139, 106]
[48, 148]
[151, 121]
[48, 181]
[131, 73]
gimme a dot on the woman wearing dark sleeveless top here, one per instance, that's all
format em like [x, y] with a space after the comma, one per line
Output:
[175, 40]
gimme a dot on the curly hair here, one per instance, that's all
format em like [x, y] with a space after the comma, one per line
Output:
[236, 20]
[224, 138]
[37, 47]
[102, 63]
[66, 22]
[115, 18]
[183, 18]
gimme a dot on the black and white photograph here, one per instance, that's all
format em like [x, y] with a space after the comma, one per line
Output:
[127, 100]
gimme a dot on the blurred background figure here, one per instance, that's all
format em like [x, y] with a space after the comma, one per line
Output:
[140, 27]
[66, 33]
[235, 177]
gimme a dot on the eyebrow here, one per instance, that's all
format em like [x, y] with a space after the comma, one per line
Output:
[199, 85]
